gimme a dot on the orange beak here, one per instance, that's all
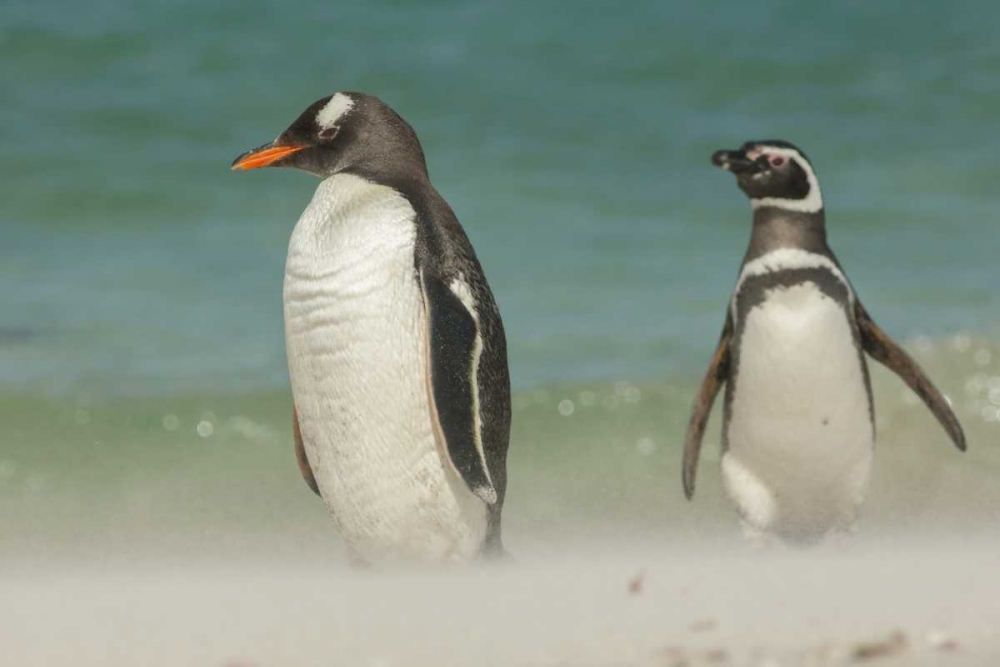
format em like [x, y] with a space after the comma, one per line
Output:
[263, 156]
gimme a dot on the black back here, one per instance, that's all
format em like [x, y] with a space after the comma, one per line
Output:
[444, 251]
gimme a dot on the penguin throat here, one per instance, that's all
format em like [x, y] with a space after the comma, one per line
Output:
[775, 228]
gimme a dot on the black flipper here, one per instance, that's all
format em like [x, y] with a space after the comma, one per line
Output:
[454, 346]
[300, 455]
[715, 377]
[884, 349]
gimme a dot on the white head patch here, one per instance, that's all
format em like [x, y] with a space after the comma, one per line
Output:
[334, 110]
[812, 202]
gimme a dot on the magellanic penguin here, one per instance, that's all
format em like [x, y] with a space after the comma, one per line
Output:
[798, 424]
[396, 350]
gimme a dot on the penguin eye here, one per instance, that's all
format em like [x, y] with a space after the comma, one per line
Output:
[330, 132]
[776, 160]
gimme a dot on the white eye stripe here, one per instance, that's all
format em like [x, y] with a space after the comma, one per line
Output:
[335, 109]
[811, 203]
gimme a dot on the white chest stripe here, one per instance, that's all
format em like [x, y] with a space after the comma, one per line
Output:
[784, 259]
[812, 203]
[461, 289]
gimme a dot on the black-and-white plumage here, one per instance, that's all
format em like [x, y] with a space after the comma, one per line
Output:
[798, 426]
[396, 348]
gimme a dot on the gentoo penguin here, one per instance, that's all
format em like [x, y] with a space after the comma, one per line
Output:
[798, 426]
[396, 350]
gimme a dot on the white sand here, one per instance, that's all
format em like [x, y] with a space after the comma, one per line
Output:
[709, 603]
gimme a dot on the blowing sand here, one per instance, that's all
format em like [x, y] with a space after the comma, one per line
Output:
[123, 542]
[933, 602]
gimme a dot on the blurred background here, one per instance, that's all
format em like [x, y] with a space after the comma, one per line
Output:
[144, 398]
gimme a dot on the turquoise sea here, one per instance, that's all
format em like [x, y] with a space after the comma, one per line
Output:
[144, 399]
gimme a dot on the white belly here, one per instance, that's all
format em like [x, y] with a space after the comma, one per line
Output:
[800, 436]
[355, 334]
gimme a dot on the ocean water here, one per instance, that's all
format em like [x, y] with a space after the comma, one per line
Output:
[143, 388]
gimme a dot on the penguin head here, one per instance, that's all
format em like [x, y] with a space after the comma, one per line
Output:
[773, 173]
[343, 131]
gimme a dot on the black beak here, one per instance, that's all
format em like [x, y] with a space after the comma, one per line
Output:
[735, 161]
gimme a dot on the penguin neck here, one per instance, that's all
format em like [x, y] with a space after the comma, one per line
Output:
[385, 149]
[394, 165]
[775, 228]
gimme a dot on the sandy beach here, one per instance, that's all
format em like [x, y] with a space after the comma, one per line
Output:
[933, 602]
[212, 552]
